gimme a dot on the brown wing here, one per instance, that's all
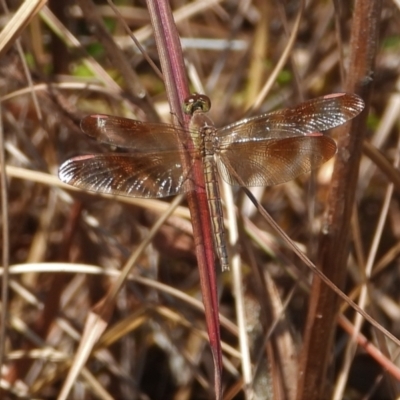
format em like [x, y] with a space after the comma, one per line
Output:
[136, 175]
[307, 118]
[274, 161]
[132, 134]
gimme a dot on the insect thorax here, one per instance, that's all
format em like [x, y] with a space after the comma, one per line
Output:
[203, 133]
[208, 140]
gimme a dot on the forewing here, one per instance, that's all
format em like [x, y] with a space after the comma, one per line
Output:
[136, 175]
[274, 161]
[132, 134]
[309, 117]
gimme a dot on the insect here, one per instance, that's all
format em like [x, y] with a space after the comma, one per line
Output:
[264, 150]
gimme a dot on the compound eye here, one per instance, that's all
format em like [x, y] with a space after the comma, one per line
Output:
[196, 102]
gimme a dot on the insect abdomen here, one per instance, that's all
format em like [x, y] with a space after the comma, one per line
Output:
[215, 209]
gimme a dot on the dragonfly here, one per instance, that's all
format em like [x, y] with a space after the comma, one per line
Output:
[264, 150]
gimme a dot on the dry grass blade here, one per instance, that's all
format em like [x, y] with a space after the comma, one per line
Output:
[282, 61]
[98, 320]
[18, 23]
[5, 245]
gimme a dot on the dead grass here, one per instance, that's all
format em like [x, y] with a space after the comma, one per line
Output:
[66, 247]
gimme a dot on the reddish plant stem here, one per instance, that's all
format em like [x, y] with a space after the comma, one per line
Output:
[334, 244]
[173, 68]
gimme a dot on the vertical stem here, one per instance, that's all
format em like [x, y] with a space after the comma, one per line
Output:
[334, 245]
[172, 64]
[6, 245]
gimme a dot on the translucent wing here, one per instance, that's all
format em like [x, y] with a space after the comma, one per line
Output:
[309, 117]
[132, 134]
[264, 150]
[274, 161]
[136, 175]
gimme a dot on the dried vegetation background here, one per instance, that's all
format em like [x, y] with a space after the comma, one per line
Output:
[156, 344]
